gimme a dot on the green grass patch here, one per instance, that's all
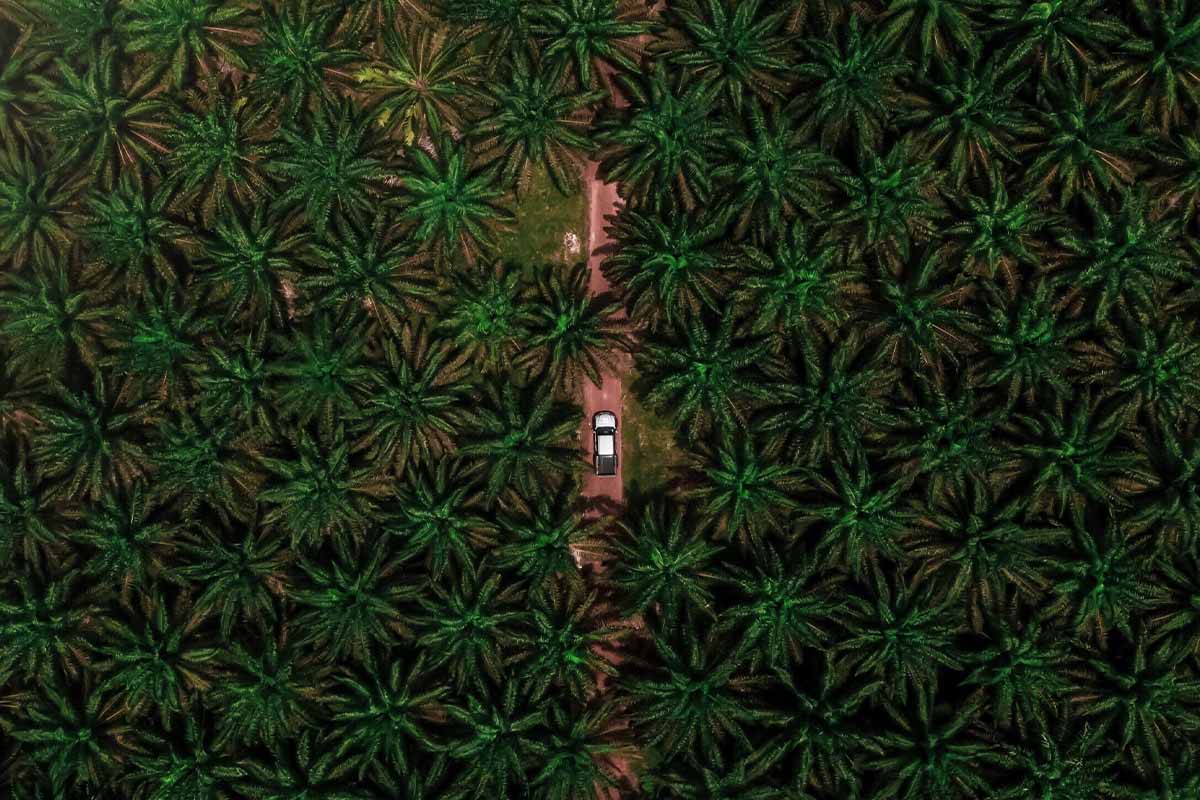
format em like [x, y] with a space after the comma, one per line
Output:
[544, 218]
[649, 447]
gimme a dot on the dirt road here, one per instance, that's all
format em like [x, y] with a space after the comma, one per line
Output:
[602, 202]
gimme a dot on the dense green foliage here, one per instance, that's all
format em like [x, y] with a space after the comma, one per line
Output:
[289, 469]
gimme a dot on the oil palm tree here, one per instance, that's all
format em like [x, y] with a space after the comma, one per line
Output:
[667, 269]
[36, 202]
[708, 376]
[596, 37]
[321, 374]
[423, 80]
[537, 121]
[662, 148]
[521, 439]
[848, 81]
[1062, 39]
[49, 620]
[573, 335]
[452, 205]
[130, 539]
[546, 536]
[21, 61]
[1155, 68]
[490, 316]
[998, 233]
[939, 31]
[417, 405]
[182, 37]
[739, 48]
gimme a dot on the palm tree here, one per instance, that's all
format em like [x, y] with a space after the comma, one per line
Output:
[247, 258]
[1176, 180]
[794, 288]
[546, 536]
[902, 628]
[536, 121]
[317, 493]
[660, 150]
[422, 81]
[48, 624]
[35, 204]
[56, 317]
[997, 233]
[21, 61]
[500, 734]
[932, 752]
[218, 151]
[1024, 672]
[783, 605]
[740, 492]
[93, 440]
[298, 56]
[351, 606]
[889, 204]
[234, 384]
[384, 717]
[667, 269]
[573, 335]
[332, 167]
[1123, 258]
[1065, 38]
[452, 205]
[597, 37]
[489, 316]
[695, 699]
[706, 377]
[357, 267]
[503, 27]
[321, 373]
[182, 36]
[938, 30]
[439, 515]
[190, 765]
[585, 745]
[848, 82]
[1084, 146]
[522, 440]
[417, 404]
[30, 523]
[1155, 67]
[100, 123]
[970, 117]
[80, 31]
[737, 48]
[206, 465]
[772, 174]
[130, 539]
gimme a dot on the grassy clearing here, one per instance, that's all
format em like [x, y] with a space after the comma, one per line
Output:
[544, 217]
[649, 447]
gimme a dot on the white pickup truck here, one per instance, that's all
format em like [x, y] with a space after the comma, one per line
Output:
[604, 442]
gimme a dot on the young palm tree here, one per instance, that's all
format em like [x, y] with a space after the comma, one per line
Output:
[573, 335]
[706, 376]
[522, 439]
[668, 269]
[182, 36]
[422, 82]
[596, 37]
[453, 206]
[738, 48]
[849, 81]
[660, 150]
[537, 121]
